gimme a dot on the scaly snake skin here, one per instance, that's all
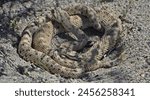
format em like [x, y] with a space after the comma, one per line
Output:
[38, 49]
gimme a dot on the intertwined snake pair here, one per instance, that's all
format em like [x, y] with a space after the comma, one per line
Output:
[36, 41]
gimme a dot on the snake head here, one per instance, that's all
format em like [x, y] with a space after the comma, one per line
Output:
[55, 14]
[52, 15]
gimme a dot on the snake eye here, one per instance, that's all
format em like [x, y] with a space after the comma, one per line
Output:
[52, 11]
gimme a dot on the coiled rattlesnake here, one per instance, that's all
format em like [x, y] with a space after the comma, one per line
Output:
[41, 52]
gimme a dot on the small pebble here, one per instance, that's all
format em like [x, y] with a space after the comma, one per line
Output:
[148, 61]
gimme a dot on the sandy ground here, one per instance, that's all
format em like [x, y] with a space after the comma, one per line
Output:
[135, 67]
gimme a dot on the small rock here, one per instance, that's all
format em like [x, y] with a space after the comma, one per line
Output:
[148, 43]
[148, 61]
